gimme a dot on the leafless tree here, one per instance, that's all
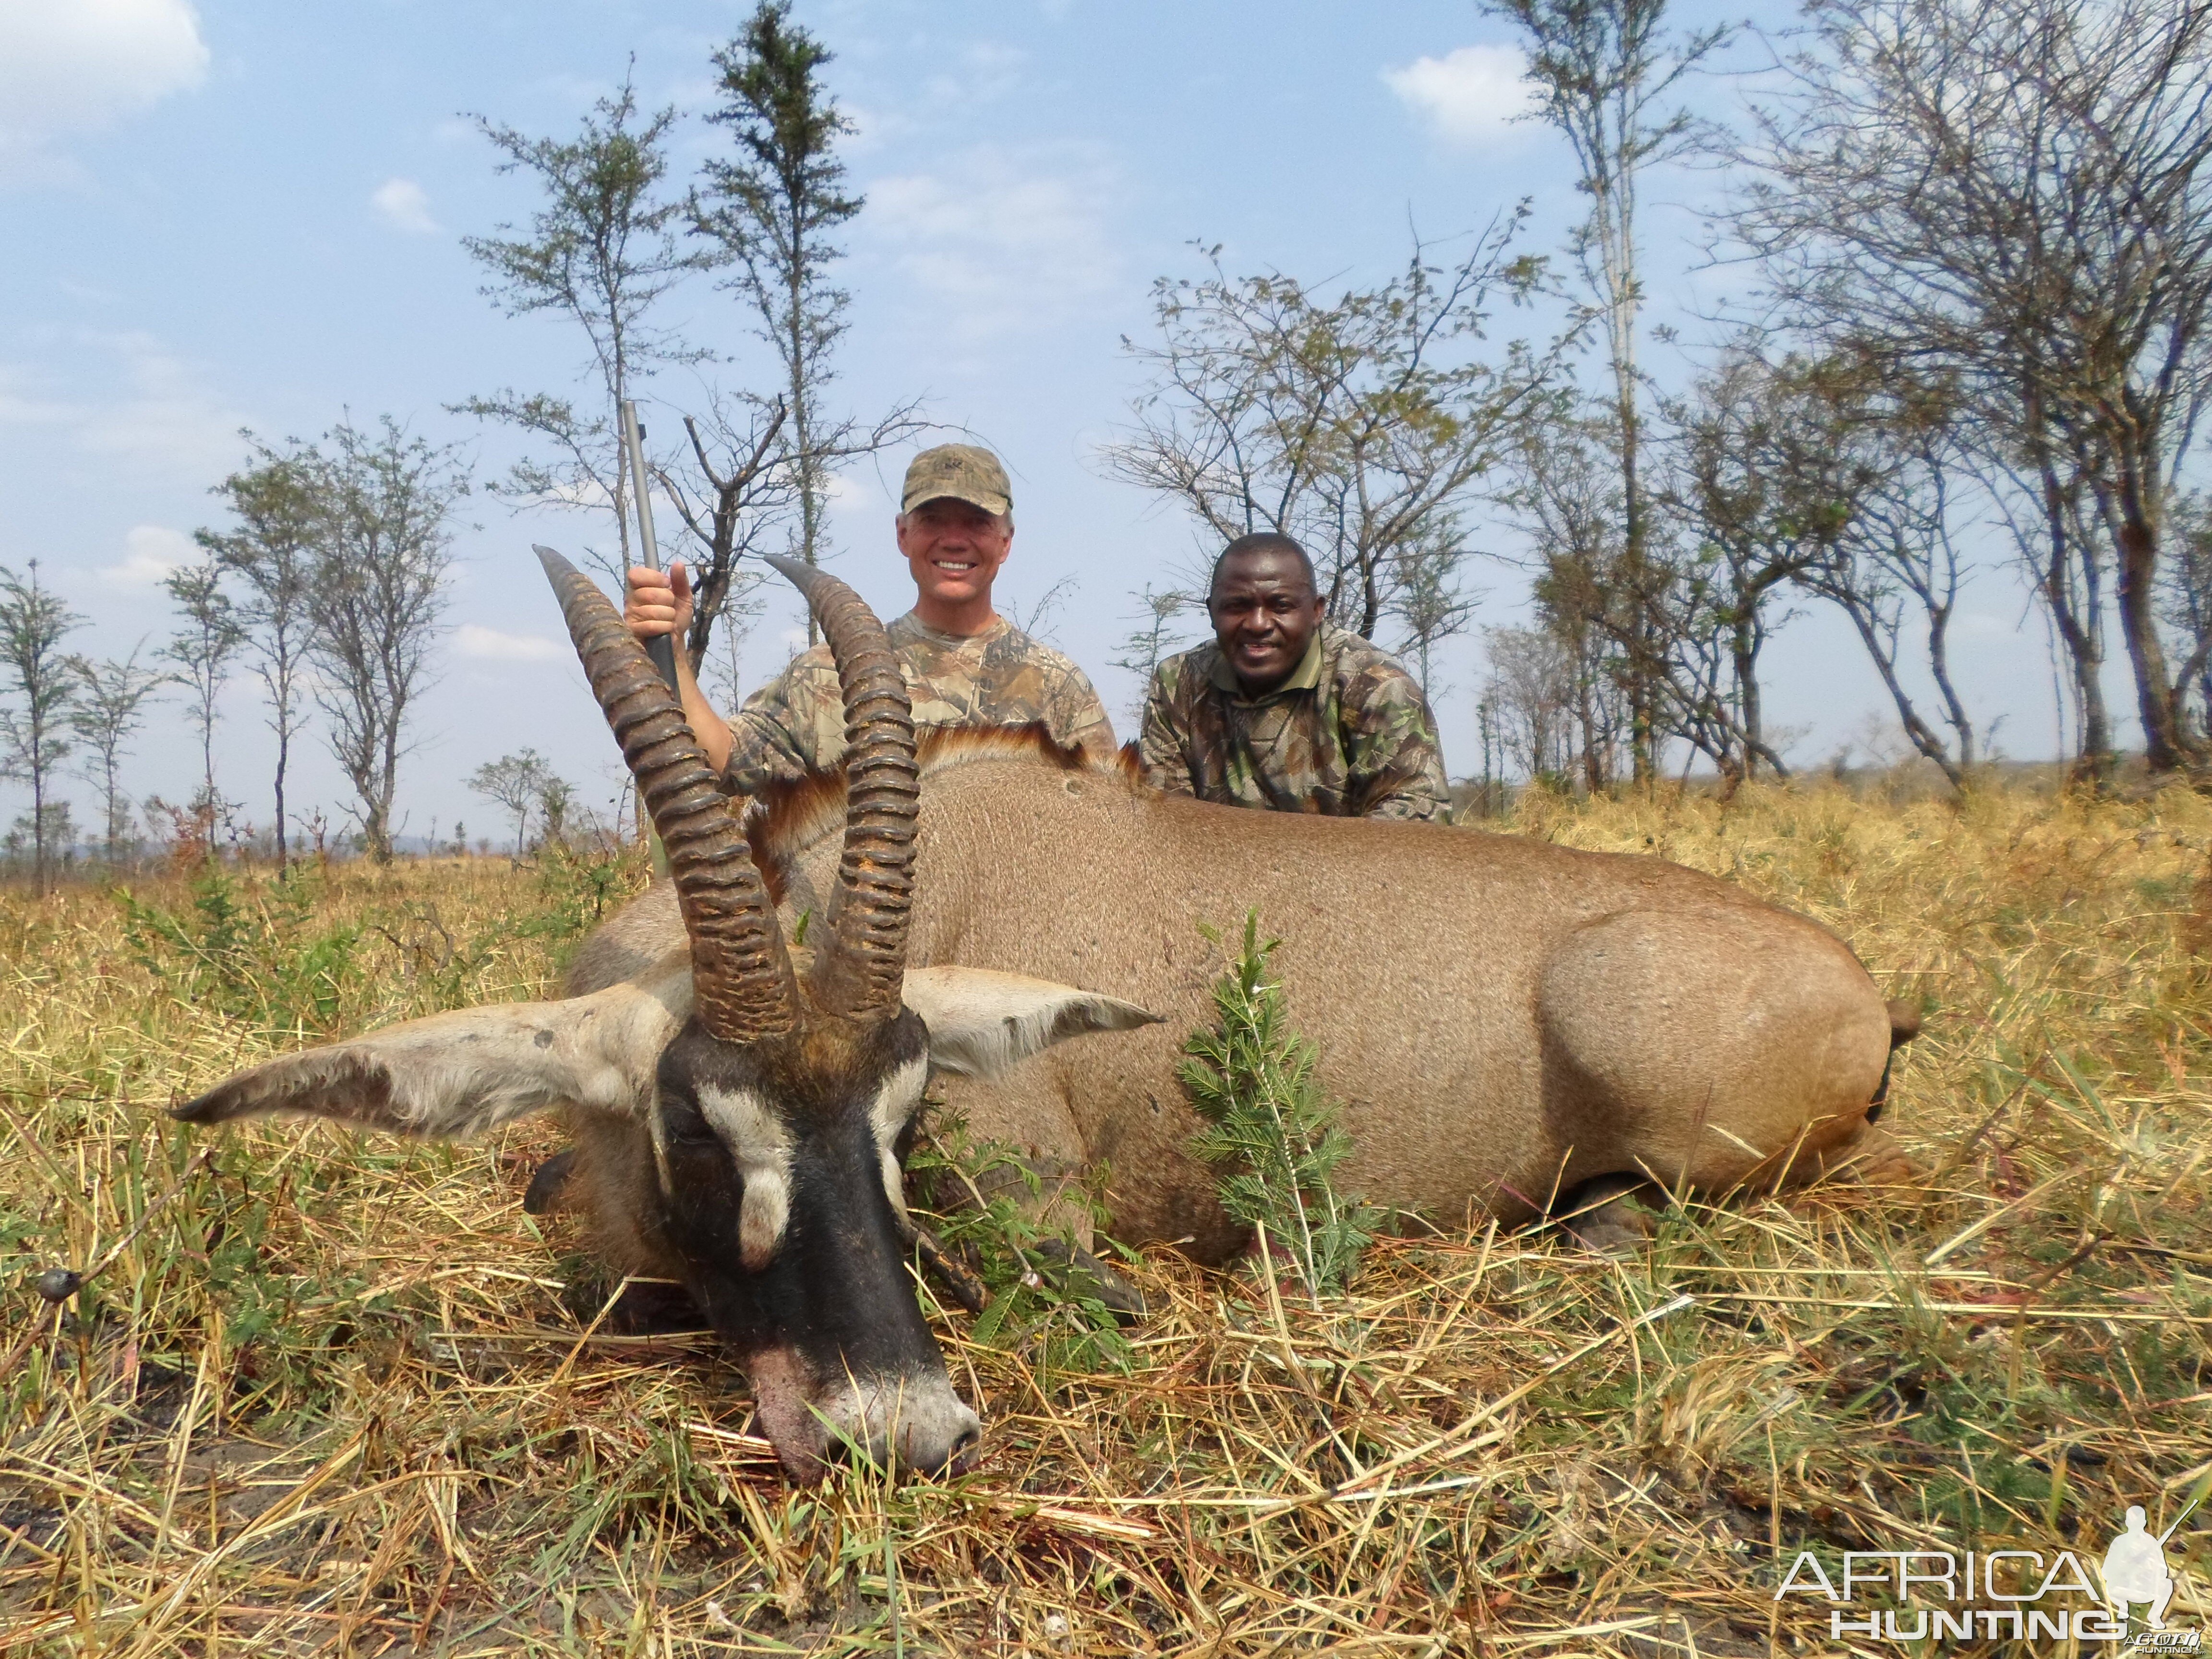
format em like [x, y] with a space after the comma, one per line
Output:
[111, 704]
[1592, 606]
[1359, 425]
[377, 590]
[1603, 71]
[1036, 618]
[2043, 498]
[2014, 195]
[1893, 563]
[746, 485]
[34, 622]
[1530, 693]
[2189, 603]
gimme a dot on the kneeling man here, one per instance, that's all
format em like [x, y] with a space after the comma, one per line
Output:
[1285, 711]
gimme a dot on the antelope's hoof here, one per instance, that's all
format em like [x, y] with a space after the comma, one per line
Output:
[1615, 1229]
[1076, 1271]
[545, 1186]
[1598, 1217]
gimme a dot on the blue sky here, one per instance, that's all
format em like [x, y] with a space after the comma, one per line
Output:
[244, 213]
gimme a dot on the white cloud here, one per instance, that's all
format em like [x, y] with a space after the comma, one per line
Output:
[130, 400]
[1470, 96]
[489, 645]
[1003, 237]
[404, 207]
[151, 552]
[985, 70]
[69, 66]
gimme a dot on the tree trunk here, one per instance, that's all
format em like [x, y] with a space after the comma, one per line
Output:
[1939, 667]
[283, 754]
[2085, 651]
[1743, 651]
[1594, 778]
[38, 814]
[802, 412]
[1923, 739]
[2168, 745]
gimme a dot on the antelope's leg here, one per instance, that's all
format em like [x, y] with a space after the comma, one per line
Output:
[1597, 1215]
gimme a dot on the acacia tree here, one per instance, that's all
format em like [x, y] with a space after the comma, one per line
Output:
[110, 702]
[271, 553]
[34, 622]
[603, 249]
[202, 650]
[1360, 425]
[517, 782]
[773, 210]
[2015, 195]
[1602, 70]
[375, 593]
[556, 798]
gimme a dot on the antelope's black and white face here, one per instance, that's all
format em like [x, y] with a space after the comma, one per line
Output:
[778, 1187]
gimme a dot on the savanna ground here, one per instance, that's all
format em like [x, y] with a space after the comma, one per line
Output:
[330, 1392]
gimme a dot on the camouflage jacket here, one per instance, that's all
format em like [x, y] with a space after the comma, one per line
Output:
[795, 724]
[1348, 735]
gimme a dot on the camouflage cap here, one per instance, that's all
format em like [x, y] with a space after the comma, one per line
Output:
[962, 472]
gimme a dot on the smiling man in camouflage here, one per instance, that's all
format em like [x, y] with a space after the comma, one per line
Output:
[1285, 711]
[964, 663]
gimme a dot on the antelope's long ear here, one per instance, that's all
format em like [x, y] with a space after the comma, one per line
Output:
[982, 1021]
[450, 1076]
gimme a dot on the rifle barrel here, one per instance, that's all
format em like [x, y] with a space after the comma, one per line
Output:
[662, 650]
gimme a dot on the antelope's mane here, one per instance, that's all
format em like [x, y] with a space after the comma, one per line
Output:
[787, 818]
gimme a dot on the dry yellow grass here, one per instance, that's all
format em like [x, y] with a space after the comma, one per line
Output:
[332, 1392]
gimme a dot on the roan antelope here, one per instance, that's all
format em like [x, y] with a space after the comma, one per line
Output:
[1514, 1027]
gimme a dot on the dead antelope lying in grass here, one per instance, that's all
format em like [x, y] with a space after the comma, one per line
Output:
[1513, 1027]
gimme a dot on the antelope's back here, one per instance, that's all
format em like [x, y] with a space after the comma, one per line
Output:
[1414, 954]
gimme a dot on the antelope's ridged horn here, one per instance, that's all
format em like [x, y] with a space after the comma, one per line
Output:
[860, 974]
[741, 975]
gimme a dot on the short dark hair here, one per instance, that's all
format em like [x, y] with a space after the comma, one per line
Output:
[1262, 541]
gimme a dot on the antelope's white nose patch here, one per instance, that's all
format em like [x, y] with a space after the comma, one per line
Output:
[761, 1147]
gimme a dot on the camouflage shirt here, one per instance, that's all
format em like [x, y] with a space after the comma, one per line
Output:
[1348, 735]
[795, 724]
